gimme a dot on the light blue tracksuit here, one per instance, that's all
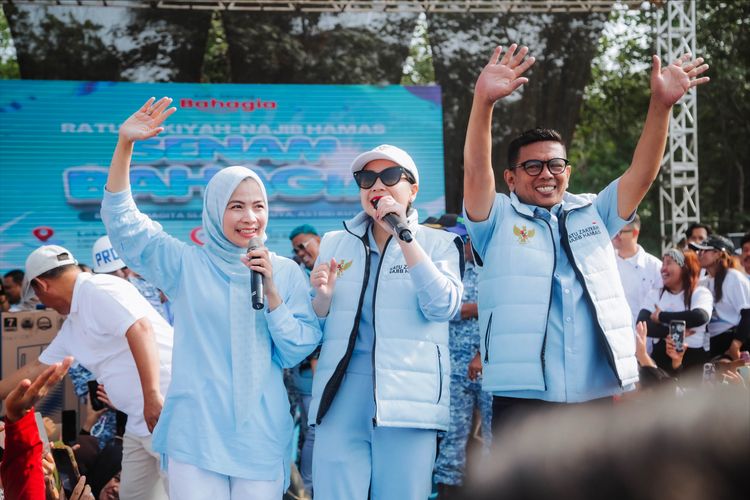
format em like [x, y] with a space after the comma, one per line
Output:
[381, 387]
[200, 424]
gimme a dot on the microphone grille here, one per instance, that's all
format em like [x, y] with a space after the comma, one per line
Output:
[255, 242]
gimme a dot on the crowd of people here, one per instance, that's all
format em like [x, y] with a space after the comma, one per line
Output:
[395, 346]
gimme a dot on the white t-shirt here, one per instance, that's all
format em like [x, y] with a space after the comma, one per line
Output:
[669, 302]
[735, 297]
[103, 308]
[639, 274]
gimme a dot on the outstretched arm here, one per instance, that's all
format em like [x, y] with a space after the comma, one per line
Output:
[143, 124]
[668, 85]
[26, 392]
[142, 345]
[28, 371]
[498, 79]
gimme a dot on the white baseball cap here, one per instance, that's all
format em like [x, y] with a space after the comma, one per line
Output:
[387, 152]
[43, 259]
[104, 258]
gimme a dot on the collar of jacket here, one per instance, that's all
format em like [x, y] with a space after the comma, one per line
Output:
[570, 202]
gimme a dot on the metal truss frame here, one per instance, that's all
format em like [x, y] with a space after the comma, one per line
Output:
[437, 6]
[679, 203]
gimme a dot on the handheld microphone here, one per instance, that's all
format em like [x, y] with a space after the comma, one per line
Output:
[256, 279]
[397, 223]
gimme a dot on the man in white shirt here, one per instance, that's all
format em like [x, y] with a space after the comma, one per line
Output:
[113, 331]
[639, 271]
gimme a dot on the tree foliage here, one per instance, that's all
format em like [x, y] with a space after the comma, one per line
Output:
[723, 111]
[616, 101]
[346, 48]
[8, 61]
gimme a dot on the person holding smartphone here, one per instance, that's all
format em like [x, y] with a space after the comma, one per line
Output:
[381, 388]
[730, 322]
[680, 298]
[226, 428]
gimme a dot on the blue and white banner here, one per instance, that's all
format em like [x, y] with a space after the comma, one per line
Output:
[57, 139]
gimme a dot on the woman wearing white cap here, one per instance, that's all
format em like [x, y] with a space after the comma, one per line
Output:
[381, 387]
[225, 427]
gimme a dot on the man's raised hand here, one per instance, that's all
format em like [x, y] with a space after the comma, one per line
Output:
[146, 122]
[503, 75]
[670, 83]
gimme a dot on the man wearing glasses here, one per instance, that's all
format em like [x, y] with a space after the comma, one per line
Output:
[305, 245]
[553, 316]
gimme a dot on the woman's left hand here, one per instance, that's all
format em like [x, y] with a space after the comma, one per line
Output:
[387, 205]
[259, 260]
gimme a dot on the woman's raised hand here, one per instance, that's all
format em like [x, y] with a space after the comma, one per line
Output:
[146, 122]
[323, 278]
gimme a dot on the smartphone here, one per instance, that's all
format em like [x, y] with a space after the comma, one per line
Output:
[121, 421]
[677, 334]
[69, 426]
[96, 403]
[42, 432]
[67, 468]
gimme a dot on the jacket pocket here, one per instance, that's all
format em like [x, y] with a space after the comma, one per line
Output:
[487, 333]
[440, 373]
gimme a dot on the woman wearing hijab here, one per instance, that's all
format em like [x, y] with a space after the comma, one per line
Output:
[381, 387]
[225, 428]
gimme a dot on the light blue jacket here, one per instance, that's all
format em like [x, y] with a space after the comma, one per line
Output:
[411, 358]
[515, 293]
[197, 424]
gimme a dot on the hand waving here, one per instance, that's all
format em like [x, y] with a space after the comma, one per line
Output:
[146, 122]
[669, 84]
[502, 76]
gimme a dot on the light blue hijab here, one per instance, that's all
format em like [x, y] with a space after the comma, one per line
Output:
[250, 340]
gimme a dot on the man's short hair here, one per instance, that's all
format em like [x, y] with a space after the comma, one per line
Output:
[303, 229]
[636, 222]
[530, 137]
[16, 275]
[697, 225]
[58, 271]
[745, 239]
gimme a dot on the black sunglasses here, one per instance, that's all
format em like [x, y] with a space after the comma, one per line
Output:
[556, 166]
[301, 247]
[391, 176]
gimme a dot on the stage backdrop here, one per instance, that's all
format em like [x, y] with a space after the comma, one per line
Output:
[57, 138]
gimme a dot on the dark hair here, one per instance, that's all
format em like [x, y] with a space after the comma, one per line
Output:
[530, 137]
[745, 239]
[16, 275]
[725, 262]
[56, 272]
[689, 276]
[697, 225]
[634, 450]
[636, 221]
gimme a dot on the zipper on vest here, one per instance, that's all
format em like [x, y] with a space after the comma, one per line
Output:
[440, 374]
[487, 340]
[331, 388]
[374, 333]
[579, 274]
[549, 302]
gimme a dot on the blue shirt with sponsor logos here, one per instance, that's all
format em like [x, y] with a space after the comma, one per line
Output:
[576, 366]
